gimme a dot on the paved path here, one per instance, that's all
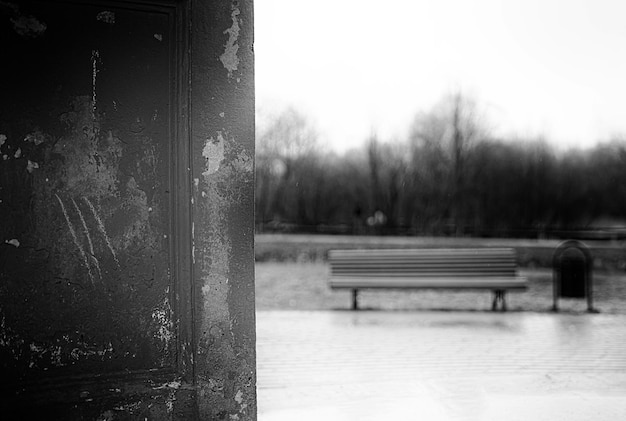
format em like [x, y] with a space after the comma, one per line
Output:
[378, 365]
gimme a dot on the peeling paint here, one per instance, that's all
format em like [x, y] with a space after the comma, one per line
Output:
[240, 401]
[244, 163]
[28, 26]
[87, 350]
[106, 16]
[31, 166]
[214, 153]
[162, 317]
[37, 137]
[13, 242]
[3, 139]
[229, 58]
[170, 385]
[18, 153]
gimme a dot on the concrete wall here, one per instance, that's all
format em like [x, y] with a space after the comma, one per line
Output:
[223, 212]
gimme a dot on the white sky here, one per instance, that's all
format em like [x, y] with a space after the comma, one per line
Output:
[535, 67]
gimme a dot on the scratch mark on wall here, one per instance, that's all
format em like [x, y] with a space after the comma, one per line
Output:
[214, 153]
[229, 58]
[75, 238]
[102, 230]
[95, 58]
[193, 243]
[92, 253]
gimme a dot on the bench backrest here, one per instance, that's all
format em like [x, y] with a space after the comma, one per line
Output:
[426, 263]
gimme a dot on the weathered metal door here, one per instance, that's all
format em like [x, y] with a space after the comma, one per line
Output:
[93, 233]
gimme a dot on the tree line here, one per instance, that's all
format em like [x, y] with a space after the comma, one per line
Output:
[448, 177]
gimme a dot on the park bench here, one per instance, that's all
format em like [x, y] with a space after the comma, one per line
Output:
[455, 269]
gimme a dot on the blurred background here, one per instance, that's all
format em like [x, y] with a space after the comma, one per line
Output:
[449, 118]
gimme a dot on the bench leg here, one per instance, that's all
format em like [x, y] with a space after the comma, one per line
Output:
[355, 299]
[499, 296]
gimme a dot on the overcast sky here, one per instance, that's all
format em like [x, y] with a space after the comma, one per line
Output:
[535, 67]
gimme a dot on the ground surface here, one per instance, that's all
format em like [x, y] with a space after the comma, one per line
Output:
[440, 366]
[292, 274]
[304, 286]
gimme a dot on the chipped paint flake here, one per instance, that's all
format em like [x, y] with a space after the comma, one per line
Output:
[3, 138]
[229, 58]
[214, 153]
[106, 16]
[244, 163]
[37, 137]
[13, 242]
[158, 37]
[18, 153]
[162, 317]
[170, 385]
[28, 26]
[31, 166]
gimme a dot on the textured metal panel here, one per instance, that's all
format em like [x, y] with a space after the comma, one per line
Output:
[86, 172]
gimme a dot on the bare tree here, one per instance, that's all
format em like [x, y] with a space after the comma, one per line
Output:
[441, 140]
[285, 148]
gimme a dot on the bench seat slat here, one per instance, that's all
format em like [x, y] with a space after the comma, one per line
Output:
[436, 253]
[434, 282]
[425, 275]
[409, 266]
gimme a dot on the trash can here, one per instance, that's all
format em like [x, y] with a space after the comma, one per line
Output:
[573, 273]
[572, 269]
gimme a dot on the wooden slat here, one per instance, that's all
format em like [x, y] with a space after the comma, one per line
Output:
[506, 283]
[425, 268]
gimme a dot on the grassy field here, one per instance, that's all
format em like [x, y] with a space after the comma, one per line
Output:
[292, 274]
